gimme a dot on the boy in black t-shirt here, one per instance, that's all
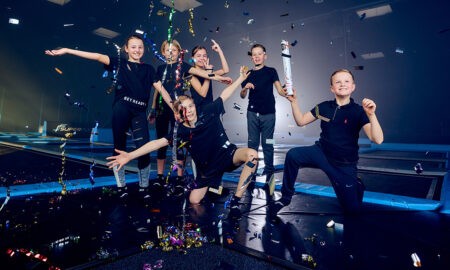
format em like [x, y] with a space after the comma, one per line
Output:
[208, 144]
[261, 106]
[336, 152]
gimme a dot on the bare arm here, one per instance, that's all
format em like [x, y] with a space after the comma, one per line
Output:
[227, 92]
[373, 129]
[124, 157]
[202, 89]
[102, 58]
[160, 88]
[204, 74]
[225, 69]
[281, 91]
[301, 119]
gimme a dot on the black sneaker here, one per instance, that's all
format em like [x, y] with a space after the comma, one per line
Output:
[159, 182]
[275, 207]
[143, 193]
[235, 212]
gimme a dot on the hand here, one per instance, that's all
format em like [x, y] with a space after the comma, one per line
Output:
[293, 97]
[249, 85]
[244, 72]
[207, 65]
[56, 52]
[215, 47]
[369, 106]
[119, 160]
[222, 79]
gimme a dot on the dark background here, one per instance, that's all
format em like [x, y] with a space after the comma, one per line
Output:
[410, 88]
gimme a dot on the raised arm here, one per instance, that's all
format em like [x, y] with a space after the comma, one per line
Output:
[228, 91]
[301, 119]
[373, 129]
[124, 157]
[102, 58]
[225, 69]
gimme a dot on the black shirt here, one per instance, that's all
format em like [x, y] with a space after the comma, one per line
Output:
[340, 127]
[200, 101]
[134, 81]
[261, 99]
[207, 140]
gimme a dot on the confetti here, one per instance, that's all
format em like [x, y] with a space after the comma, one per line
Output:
[250, 21]
[418, 168]
[58, 70]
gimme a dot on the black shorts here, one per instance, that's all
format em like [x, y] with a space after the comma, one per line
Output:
[212, 176]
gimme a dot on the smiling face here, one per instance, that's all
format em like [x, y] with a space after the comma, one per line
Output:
[258, 56]
[189, 110]
[135, 49]
[342, 84]
[200, 57]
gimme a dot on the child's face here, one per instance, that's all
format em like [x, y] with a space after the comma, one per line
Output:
[200, 58]
[342, 84]
[134, 49]
[171, 52]
[258, 56]
[189, 110]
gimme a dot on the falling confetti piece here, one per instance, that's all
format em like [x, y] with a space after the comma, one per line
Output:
[58, 70]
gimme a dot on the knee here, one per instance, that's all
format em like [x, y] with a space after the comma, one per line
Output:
[194, 200]
[252, 155]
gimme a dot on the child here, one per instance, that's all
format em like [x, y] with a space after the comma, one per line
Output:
[201, 88]
[171, 77]
[336, 152]
[134, 82]
[261, 106]
[208, 144]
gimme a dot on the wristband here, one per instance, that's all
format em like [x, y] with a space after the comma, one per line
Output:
[211, 75]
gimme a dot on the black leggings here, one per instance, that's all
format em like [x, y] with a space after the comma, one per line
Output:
[125, 117]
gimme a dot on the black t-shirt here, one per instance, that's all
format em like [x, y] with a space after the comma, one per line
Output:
[261, 99]
[167, 74]
[207, 140]
[340, 127]
[200, 101]
[134, 81]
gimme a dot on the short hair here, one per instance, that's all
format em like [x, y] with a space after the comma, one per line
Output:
[198, 48]
[339, 71]
[257, 45]
[174, 43]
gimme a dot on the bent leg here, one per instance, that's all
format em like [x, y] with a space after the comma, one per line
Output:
[197, 195]
[249, 157]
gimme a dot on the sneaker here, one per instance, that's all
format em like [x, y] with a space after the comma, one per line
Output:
[159, 182]
[275, 207]
[143, 193]
[235, 212]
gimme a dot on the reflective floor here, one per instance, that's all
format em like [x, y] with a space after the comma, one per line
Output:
[92, 227]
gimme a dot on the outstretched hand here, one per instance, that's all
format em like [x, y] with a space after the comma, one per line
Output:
[244, 72]
[56, 52]
[119, 160]
[369, 106]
